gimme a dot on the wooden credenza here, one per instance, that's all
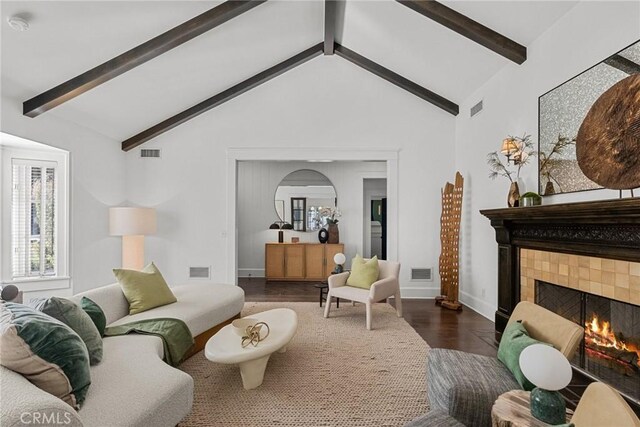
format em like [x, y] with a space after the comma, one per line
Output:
[300, 261]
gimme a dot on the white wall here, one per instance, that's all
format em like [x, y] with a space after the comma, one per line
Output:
[327, 103]
[97, 171]
[587, 34]
[257, 182]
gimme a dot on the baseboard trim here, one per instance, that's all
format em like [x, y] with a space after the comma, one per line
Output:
[481, 307]
[419, 293]
[251, 272]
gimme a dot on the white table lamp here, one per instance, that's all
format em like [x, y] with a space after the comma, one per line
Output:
[132, 224]
[339, 259]
[550, 371]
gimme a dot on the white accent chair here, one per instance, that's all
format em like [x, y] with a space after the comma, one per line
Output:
[386, 286]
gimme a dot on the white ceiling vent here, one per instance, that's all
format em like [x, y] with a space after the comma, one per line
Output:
[153, 153]
[476, 108]
[422, 274]
[199, 272]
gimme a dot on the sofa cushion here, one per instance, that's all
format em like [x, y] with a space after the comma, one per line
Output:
[46, 351]
[27, 405]
[514, 340]
[134, 387]
[466, 385]
[72, 315]
[144, 289]
[200, 305]
[363, 272]
[95, 313]
[110, 298]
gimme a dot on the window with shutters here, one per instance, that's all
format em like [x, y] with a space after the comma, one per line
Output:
[33, 218]
[34, 215]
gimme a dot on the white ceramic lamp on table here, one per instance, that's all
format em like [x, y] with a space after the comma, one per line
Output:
[339, 259]
[550, 371]
[132, 224]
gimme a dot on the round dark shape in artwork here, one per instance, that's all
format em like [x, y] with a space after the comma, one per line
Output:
[323, 235]
[608, 142]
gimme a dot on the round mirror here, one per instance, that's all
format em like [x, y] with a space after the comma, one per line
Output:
[304, 199]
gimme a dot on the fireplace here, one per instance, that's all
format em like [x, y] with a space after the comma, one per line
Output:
[586, 256]
[610, 350]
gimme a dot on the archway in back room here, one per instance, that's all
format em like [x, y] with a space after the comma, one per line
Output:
[324, 161]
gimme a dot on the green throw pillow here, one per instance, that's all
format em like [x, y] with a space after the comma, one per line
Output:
[515, 339]
[144, 289]
[74, 317]
[363, 273]
[95, 313]
[45, 351]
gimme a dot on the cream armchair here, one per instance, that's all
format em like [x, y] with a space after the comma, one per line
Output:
[602, 406]
[387, 285]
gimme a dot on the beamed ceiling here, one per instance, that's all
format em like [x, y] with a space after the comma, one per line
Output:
[164, 63]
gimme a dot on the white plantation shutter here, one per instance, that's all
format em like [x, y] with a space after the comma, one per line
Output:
[33, 218]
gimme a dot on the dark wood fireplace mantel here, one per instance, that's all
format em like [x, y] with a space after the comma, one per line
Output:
[605, 229]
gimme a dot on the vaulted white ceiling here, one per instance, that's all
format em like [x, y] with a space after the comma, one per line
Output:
[67, 38]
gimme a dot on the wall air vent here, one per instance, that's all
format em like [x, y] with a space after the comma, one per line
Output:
[153, 153]
[199, 272]
[476, 108]
[422, 274]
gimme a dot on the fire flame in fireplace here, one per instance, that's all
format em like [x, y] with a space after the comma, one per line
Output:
[600, 335]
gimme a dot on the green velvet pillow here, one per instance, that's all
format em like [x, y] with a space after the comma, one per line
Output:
[363, 273]
[144, 289]
[95, 313]
[515, 339]
[74, 317]
[45, 351]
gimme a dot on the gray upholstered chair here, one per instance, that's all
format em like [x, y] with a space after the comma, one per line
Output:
[462, 387]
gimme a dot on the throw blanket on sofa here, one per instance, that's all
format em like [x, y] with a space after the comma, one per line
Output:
[175, 335]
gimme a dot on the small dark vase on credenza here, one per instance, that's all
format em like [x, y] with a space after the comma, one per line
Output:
[323, 235]
[334, 233]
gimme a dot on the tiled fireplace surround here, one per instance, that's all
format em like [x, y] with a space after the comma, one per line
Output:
[615, 279]
[592, 247]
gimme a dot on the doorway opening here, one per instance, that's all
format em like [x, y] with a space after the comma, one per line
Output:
[375, 217]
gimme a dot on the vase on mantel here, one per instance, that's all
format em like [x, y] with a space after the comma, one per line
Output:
[334, 233]
[513, 198]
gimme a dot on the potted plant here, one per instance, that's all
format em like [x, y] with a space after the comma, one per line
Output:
[517, 150]
[530, 199]
[547, 163]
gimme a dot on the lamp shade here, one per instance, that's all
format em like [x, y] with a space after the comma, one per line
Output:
[129, 221]
[339, 258]
[509, 146]
[545, 367]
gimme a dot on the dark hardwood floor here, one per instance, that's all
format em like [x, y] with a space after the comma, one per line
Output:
[465, 330]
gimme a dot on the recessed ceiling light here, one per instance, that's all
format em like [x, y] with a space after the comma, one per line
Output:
[319, 161]
[17, 23]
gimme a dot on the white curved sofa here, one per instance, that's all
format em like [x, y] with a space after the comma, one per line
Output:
[132, 386]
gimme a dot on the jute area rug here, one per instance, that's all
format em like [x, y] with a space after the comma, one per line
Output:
[335, 373]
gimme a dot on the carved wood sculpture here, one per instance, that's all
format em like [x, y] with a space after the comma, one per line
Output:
[608, 142]
[449, 241]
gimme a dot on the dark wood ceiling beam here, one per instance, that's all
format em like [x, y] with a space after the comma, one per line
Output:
[137, 56]
[330, 9]
[222, 97]
[469, 28]
[623, 64]
[398, 80]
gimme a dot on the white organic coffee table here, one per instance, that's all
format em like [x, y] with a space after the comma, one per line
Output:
[225, 346]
